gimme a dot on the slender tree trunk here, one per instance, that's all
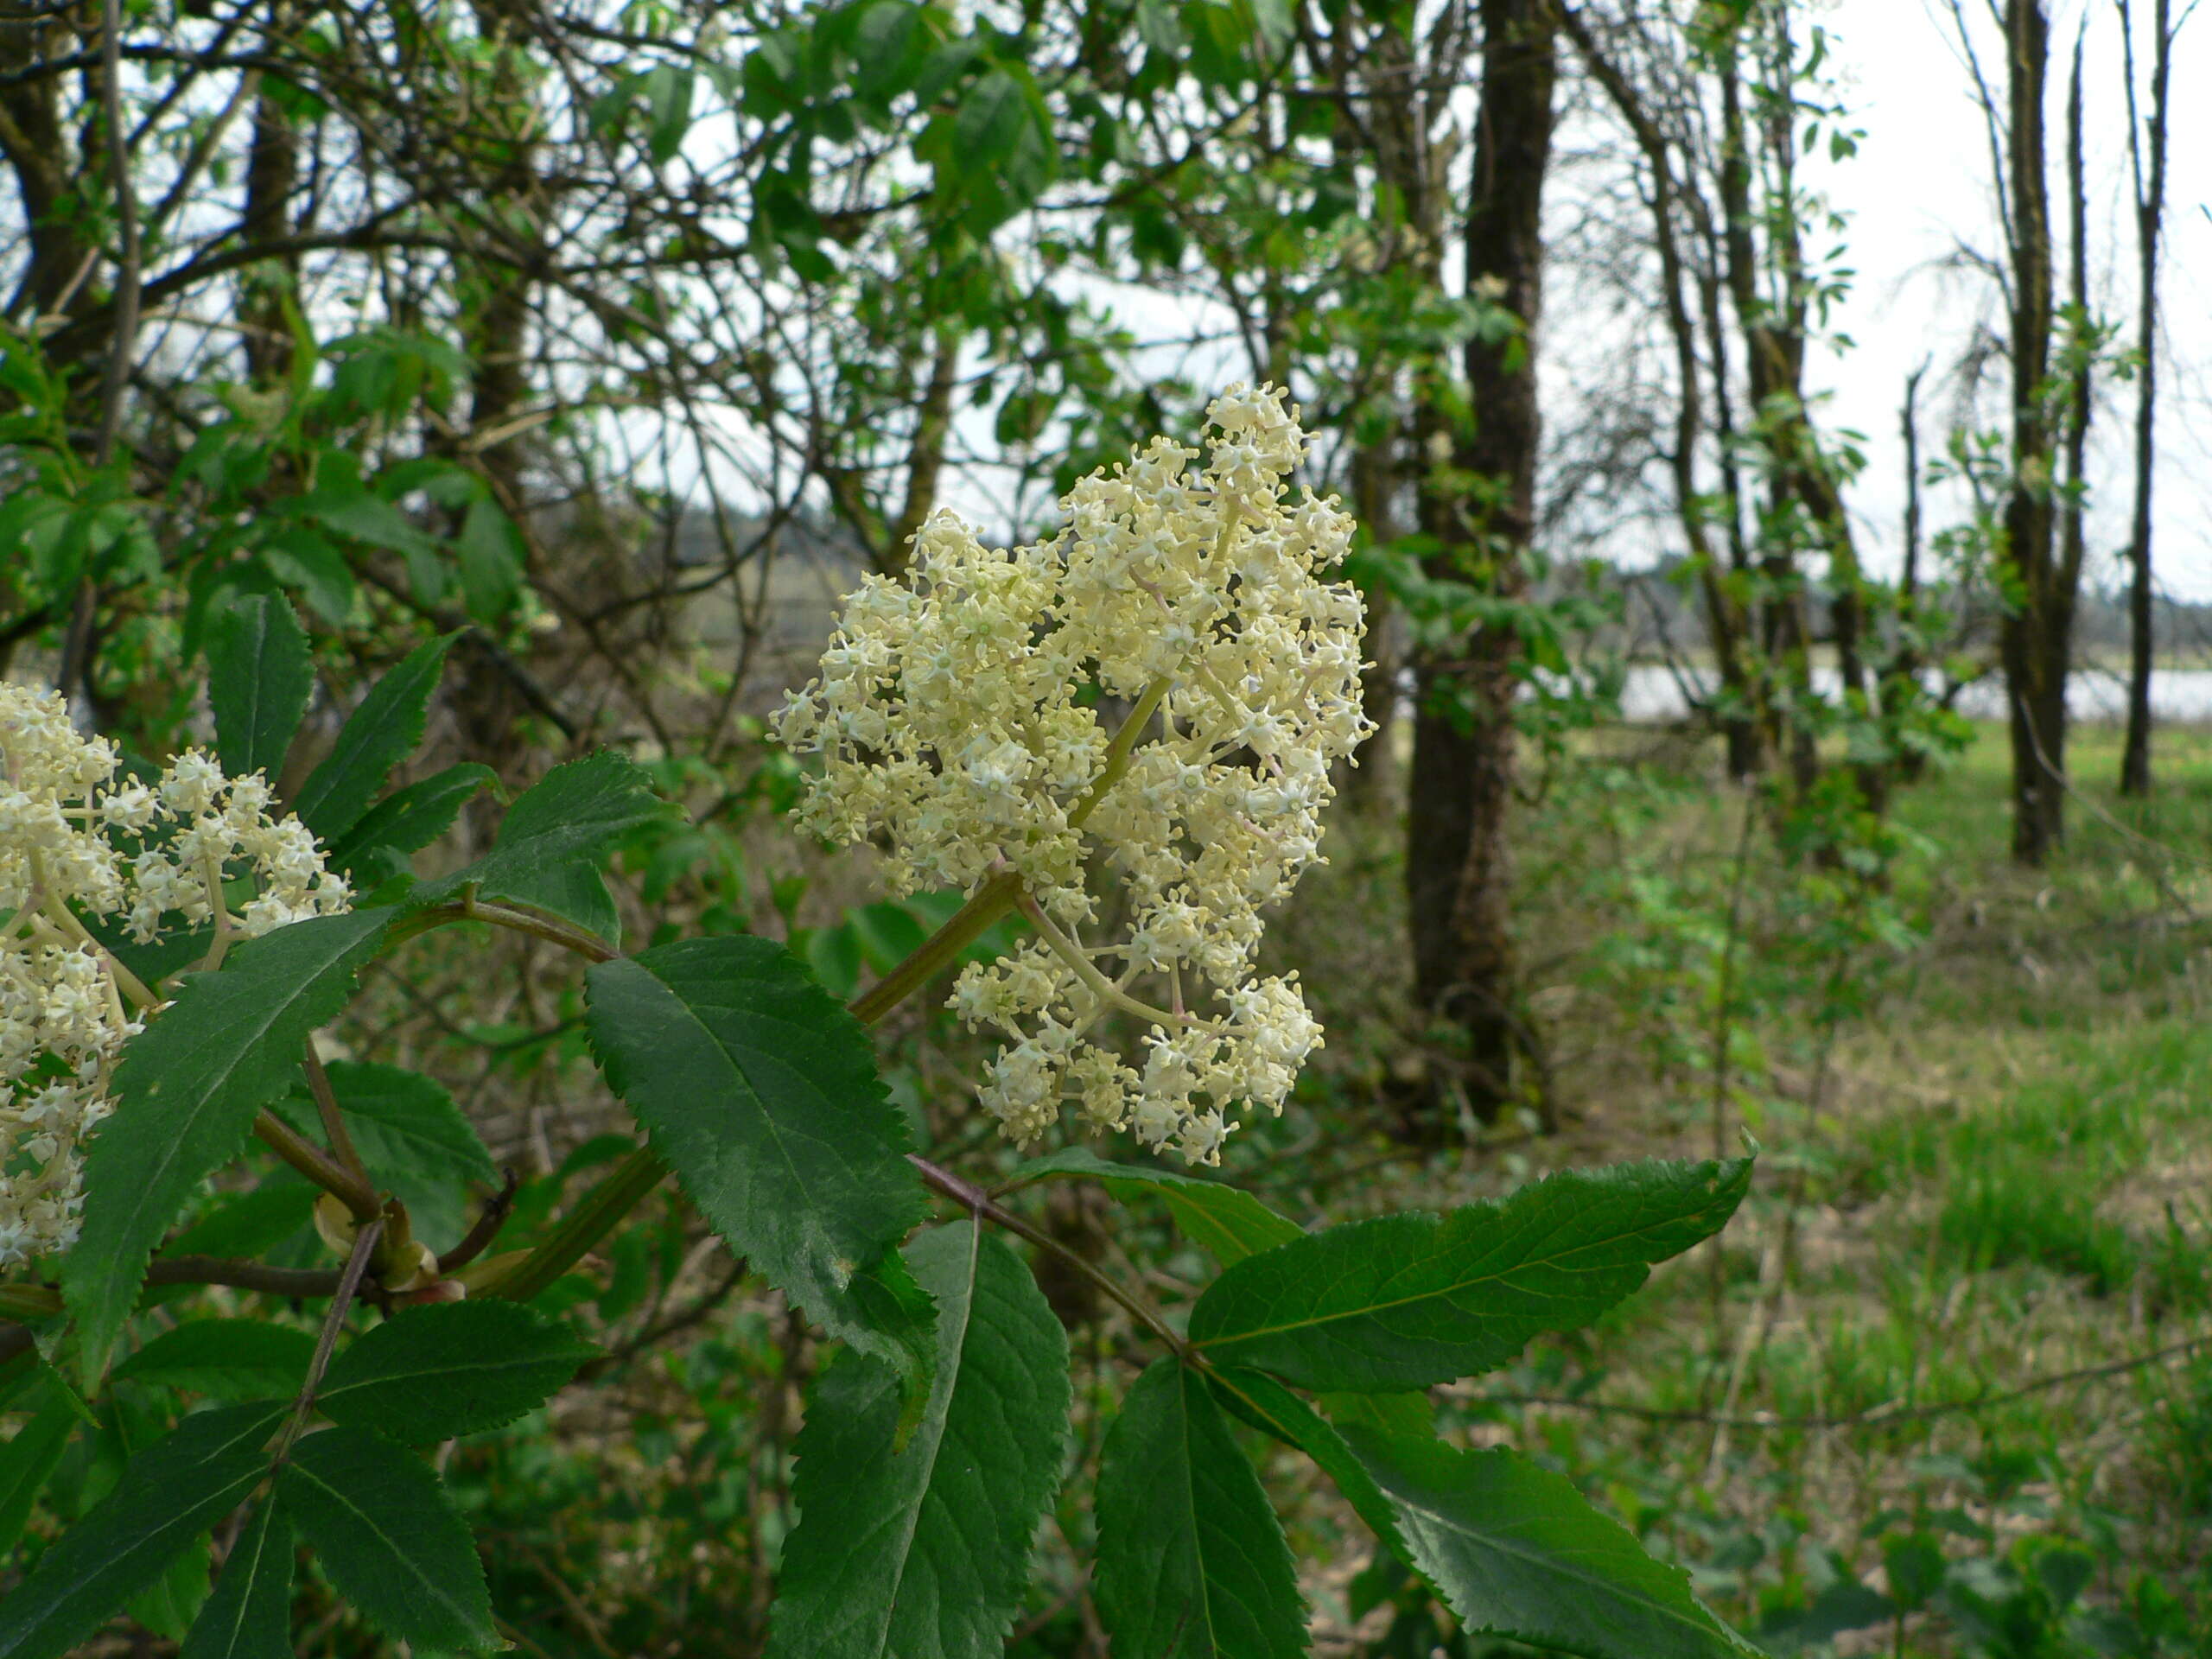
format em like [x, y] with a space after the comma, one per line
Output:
[2150, 176]
[1459, 865]
[2033, 649]
[924, 453]
[1905, 664]
[1374, 489]
[1741, 720]
[272, 173]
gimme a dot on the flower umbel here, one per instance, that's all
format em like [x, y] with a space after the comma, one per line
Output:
[78, 844]
[1157, 692]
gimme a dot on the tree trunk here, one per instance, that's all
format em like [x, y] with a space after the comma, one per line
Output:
[2034, 640]
[1460, 867]
[2150, 213]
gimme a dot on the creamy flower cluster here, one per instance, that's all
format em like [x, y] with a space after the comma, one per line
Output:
[77, 843]
[1157, 692]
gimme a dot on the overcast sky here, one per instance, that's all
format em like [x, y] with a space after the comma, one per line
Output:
[1920, 183]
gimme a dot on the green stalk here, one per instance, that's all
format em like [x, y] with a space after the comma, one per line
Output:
[996, 898]
[603, 1207]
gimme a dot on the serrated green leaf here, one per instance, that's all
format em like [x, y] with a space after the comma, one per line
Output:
[249, 1614]
[1516, 1551]
[231, 1359]
[168, 1606]
[30, 1454]
[249, 1223]
[403, 1121]
[1273, 1409]
[415, 1140]
[428, 1374]
[491, 551]
[1405, 1301]
[187, 1092]
[1192, 1561]
[376, 737]
[389, 1537]
[925, 1550]
[409, 819]
[259, 674]
[549, 851]
[762, 1093]
[170, 1495]
[1225, 1220]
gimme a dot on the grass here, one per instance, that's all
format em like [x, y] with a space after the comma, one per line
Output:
[1984, 1200]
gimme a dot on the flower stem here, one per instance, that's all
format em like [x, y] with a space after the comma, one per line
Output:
[1098, 985]
[995, 898]
[1117, 751]
[333, 1121]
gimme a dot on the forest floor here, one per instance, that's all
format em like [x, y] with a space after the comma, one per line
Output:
[1944, 1385]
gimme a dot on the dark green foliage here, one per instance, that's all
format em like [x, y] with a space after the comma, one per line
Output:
[376, 848]
[1224, 1219]
[376, 737]
[554, 839]
[259, 674]
[762, 1095]
[249, 1615]
[30, 1453]
[228, 1358]
[1516, 1551]
[389, 1538]
[414, 1142]
[188, 1088]
[925, 1548]
[170, 1495]
[430, 1373]
[1192, 1561]
[1407, 1301]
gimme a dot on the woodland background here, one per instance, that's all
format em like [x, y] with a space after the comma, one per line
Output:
[619, 339]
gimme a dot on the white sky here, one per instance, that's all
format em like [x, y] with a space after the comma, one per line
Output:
[1920, 182]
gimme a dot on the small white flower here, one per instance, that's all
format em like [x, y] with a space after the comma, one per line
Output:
[61, 1007]
[966, 718]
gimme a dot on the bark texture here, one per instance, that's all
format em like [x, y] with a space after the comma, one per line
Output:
[1458, 859]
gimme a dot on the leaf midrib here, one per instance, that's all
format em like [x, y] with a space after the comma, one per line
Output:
[174, 1145]
[436, 1591]
[1445, 1292]
[1528, 1557]
[957, 1352]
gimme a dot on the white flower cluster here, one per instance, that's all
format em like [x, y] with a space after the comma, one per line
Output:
[1159, 689]
[65, 1005]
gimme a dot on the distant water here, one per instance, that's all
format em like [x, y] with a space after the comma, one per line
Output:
[2178, 695]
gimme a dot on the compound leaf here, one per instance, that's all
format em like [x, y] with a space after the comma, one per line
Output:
[249, 1615]
[187, 1091]
[1405, 1301]
[29, 1456]
[408, 820]
[389, 1536]
[925, 1550]
[428, 1374]
[170, 1495]
[762, 1093]
[1192, 1561]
